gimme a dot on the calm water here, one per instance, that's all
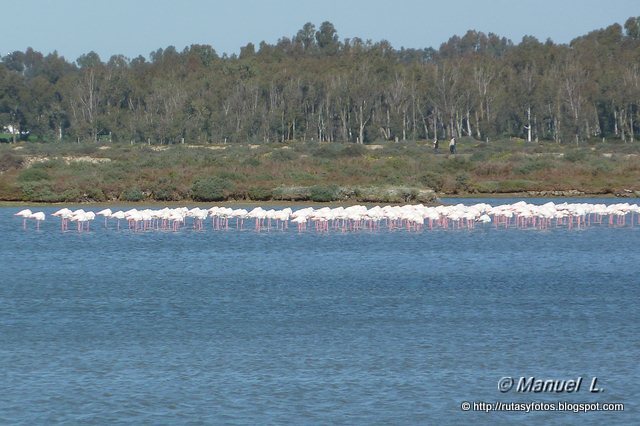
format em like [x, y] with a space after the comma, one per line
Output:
[360, 328]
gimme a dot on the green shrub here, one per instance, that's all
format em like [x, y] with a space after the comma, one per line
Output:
[95, 194]
[291, 193]
[405, 194]
[165, 194]
[230, 176]
[393, 149]
[481, 155]
[85, 148]
[211, 189]
[33, 174]
[327, 150]
[432, 180]
[600, 167]
[50, 164]
[353, 150]
[425, 196]
[531, 166]
[337, 150]
[71, 194]
[39, 191]
[324, 193]
[462, 182]
[251, 162]
[574, 156]
[283, 155]
[493, 168]
[209, 160]
[260, 194]
[6, 137]
[132, 194]
[301, 176]
[164, 189]
[9, 160]
[456, 164]
[346, 192]
[161, 188]
[516, 185]
[488, 186]
[387, 195]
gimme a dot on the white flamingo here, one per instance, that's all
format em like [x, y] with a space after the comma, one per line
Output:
[24, 214]
[357, 217]
[64, 214]
[106, 213]
[39, 217]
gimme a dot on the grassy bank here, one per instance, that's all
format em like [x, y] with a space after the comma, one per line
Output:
[389, 172]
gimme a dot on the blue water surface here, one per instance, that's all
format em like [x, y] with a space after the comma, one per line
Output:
[239, 327]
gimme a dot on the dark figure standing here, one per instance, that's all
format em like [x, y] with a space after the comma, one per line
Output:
[435, 146]
[452, 146]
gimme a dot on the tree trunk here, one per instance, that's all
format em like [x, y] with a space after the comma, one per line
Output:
[631, 122]
[388, 126]
[451, 126]
[344, 120]
[622, 117]
[529, 123]
[405, 121]
[293, 130]
[361, 124]
[598, 129]
[587, 128]
[414, 130]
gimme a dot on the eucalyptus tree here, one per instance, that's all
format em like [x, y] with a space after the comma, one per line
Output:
[524, 72]
[327, 39]
[446, 96]
[86, 96]
[306, 37]
[313, 86]
[12, 96]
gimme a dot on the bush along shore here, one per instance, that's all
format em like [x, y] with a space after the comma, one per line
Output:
[406, 172]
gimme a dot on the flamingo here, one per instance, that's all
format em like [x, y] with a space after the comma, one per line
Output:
[64, 215]
[24, 214]
[177, 219]
[119, 215]
[301, 221]
[357, 217]
[106, 213]
[39, 217]
[240, 215]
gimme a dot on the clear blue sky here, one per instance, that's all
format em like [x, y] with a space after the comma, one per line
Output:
[134, 27]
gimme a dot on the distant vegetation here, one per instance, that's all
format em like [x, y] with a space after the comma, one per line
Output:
[315, 118]
[315, 87]
[390, 172]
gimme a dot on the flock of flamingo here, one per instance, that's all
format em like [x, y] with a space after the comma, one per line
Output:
[520, 215]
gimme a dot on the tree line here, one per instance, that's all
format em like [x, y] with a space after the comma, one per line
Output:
[315, 87]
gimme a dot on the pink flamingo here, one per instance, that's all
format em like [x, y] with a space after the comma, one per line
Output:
[38, 216]
[24, 214]
[106, 213]
[64, 215]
